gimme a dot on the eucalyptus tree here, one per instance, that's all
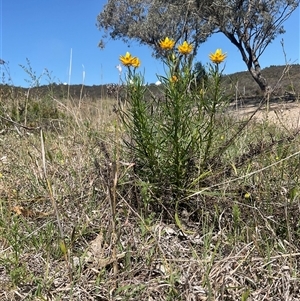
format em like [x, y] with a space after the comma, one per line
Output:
[149, 21]
[251, 25]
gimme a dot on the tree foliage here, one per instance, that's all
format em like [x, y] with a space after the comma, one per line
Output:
[149, 21]
[251, 25]
[200, 74]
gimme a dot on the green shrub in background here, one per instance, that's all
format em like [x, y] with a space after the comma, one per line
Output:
[171, 140]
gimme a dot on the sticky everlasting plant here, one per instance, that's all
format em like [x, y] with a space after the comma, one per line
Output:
[170, 140]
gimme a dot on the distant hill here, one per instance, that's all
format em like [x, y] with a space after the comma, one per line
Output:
[239, 84]
[286, 79]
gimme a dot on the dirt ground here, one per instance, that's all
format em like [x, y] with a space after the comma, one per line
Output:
[285, 114]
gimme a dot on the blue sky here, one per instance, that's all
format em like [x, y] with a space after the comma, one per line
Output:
[46, 32]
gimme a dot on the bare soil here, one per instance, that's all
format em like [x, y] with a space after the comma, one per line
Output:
[285, 114]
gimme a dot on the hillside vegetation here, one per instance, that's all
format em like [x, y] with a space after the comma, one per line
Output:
[282, 78]
[239, 84]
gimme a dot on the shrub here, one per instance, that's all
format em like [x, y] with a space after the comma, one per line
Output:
[172, 140]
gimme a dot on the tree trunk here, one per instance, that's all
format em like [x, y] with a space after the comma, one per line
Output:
[250, 59]
[260, 80]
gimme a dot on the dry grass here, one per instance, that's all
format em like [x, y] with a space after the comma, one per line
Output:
[239, 235]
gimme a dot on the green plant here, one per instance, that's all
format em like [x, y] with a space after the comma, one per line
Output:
[31, 109]
[245, 295]
[171, 140]
[236, 216]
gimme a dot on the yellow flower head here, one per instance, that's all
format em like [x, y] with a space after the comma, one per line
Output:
[174, 79]
[185, 48]
[217, 57]
[126, 59]
[167, 44]
[129, 60]
[135, 62]
[247, 195]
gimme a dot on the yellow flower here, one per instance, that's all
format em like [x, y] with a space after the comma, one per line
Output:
[126, 59]
[129, 60]
[135, 62]
[174, 79]
[185, 48]
[167, 44]
[217, 57]
[247, 195]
